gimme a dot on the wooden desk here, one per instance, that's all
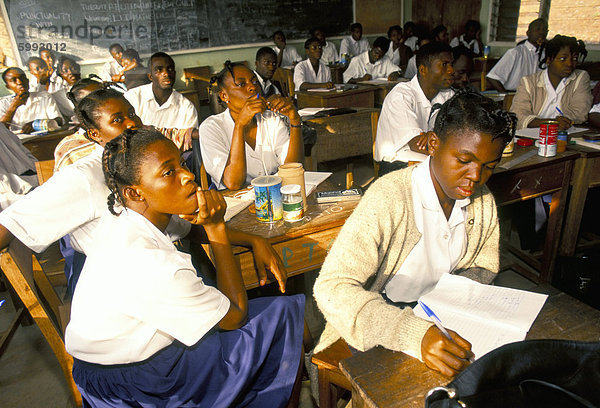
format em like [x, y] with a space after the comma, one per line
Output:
[363, 97]
[42, 147]
[384, 379]
[302, 248]
[535, 177]
[481, 67]
[382, 89]
[343, 136]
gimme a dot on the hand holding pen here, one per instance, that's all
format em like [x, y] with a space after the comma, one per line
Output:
[443, 350]
[563, 122]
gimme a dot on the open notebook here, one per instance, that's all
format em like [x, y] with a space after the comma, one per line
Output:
[487, 316]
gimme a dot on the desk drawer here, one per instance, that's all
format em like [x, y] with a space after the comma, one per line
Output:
[522, 184]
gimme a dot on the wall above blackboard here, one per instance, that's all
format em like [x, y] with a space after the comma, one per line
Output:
[86, 28]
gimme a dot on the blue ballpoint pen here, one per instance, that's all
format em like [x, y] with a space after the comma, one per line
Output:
[2, 302]
[559, 111]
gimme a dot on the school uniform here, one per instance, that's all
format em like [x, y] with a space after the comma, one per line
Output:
[290, 55]
[394, 55]
[17, 168]
[177, 112]
[39, 105]
[472, 45]
[412, 42]
[268, 87]
[411, 68]
[352, 47]
[304, 72]
[516, 63]
[360, 65]
[272, 143]
[143, 329]
[595, 108]
[109, 69]
[66, 107]
[406, 112]
[330, 54]
[72, 148]
[56, 83]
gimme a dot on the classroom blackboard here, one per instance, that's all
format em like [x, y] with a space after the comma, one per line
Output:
[86, 28]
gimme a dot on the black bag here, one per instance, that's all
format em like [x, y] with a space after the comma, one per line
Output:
[531, 373]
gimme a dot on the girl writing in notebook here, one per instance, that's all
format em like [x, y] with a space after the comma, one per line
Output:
[411, 227]
[144, 329]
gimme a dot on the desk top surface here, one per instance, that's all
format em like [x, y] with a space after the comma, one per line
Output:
[334, 93]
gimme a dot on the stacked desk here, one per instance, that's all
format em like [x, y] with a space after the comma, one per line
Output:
[362, 96]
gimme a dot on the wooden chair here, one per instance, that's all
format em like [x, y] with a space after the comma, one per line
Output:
[44, 170]
[50, 313]
[199, 78]
[331, 377]
[285, 77]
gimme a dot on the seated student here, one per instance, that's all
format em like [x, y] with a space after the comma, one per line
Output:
[266, 65]
[70, 72]
[594, 116]
[312, 72]
[471, 38]
[397, 51]
[286, 56]
[409, 110]
[111, 71]
[353, 44]
[159, 105]
[134, 73]
[48, 57]
[184, 343]
[74, 199]
[17, 168]
[372, 64]
[40, 79]
[330, 54]
[559, 92]
[18, 111]
[440, 34]
[240, 144]
[520, 61]
[410, 39]
[411, 67]
[463, 67]
[442, 219]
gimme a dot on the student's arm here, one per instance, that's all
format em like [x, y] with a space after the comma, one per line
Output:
[355, 72]
[295, 152]
[522, 104]
[497, 85]
[17, 101]
[419, 143]
[5, 237]
[581, 100]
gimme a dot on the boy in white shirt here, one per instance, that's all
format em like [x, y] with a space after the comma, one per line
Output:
[330, 54]
[354, 44]
[112, 69]
[471, 38]
[286, 56]
[372, 64]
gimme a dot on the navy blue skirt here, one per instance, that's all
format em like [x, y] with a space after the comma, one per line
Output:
[254, 366]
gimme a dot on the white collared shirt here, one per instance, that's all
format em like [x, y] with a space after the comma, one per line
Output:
[70, 202]
[266, 85]
[330, 54]
[39, 105]
[304, 72]
[290, 55]
[515, 64]
[442, 245]
[272, 143]
[412, 42]
[177, 112]
[595, 108]
[393, 55]
[404, 115]
[350, 46]
[411, 68]
[137, 294]
[360, 65]
[472, 45]
[553, 96]
[109, 69]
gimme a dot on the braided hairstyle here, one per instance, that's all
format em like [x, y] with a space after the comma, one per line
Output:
[218, 81]
[77, 93]
[122, 159]
[549, 49]
[87, 109]
[468, 110]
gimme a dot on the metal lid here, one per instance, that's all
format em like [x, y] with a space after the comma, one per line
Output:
[290, 189]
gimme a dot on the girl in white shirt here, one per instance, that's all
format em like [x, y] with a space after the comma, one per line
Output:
[144, 329]
[312, 72]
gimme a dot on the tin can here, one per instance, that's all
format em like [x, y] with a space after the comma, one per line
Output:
[267, 192]
[547, 141]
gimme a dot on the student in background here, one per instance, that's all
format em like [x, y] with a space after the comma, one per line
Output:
[240, 144]
[184, 343]
[70, 72]
[441, 220]
[463, 67]
[112, 69]
[18, 111]
[312, 72]
[372, 64]
[471, 38]
[286, 56]
[48, 57]
[40, 79]
[134, 73]
[520, 61]
[411, 67]
[330, 54]
[397, 52]
[159, 105]
[440, 34]
[410, 38]
[409, 110]
[353, 44]
[266, 65]
[560, 91]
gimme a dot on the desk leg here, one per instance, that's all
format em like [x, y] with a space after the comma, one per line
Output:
[581, 180]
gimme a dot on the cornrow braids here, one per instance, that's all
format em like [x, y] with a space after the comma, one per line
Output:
[468, 110]
[549, 49]
[75, 94]
[219, 78]
[122, 159]
[88, 108]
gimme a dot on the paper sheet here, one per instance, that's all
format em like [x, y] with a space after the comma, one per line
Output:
[487, 316]
[580, 141]
[310, 111]
[313, 178]
[534, 133]
[236, 205]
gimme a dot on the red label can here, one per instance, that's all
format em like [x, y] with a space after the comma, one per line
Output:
[547, 142]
